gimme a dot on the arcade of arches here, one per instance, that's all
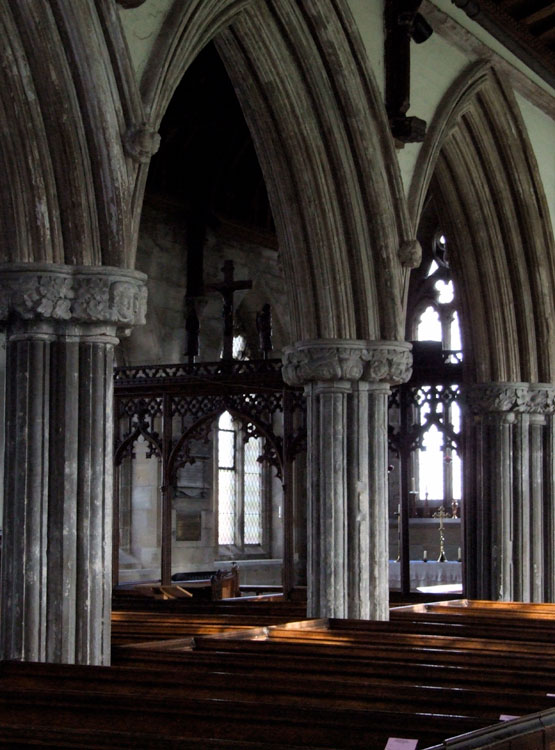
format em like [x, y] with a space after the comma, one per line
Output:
[147, 143]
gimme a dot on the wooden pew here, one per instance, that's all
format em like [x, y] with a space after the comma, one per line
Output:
[138, 626]
[362, 641]
[524, 733]
[154, 706]
[489, 698]
[212, 586]
[311, 684]
[261, 604]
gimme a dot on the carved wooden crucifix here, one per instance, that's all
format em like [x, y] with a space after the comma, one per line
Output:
[227, 289]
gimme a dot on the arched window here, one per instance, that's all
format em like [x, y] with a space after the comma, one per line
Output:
[425, 427]
[436, 460]
[240, 485]
[243, 484]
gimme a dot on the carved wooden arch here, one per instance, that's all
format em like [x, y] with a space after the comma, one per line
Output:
[141, 429]
[69, 166]
[201, 428]
[321, 134]
[481, 168]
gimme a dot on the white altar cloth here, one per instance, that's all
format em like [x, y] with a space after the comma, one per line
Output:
[426, 573]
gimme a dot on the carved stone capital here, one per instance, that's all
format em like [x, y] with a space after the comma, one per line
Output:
[388, 362]
[325, 360]
[522, 398]
[76, 294]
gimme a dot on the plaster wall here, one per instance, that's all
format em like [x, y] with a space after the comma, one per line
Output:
[541, 131]
[368, 17]
[435, 64]
[142, 26]
[161, 255]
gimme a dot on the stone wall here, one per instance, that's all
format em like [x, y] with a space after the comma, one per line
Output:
[162, 256]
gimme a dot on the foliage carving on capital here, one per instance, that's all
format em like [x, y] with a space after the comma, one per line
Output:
[66, 293]
[42, 296]
[310, 363]
[524, 398]
[377, 362]
[542, 399]
[390, 364]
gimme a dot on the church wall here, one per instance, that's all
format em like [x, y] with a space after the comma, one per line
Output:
[369, 20]
[142, 25]
[162, 256]
[435, 64]
[541, 131]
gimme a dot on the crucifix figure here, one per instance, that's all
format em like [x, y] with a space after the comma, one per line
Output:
[227, 288]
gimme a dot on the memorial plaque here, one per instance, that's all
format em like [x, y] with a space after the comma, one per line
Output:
[188, 527]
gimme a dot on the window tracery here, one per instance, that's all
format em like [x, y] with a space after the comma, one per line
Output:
[425, 415]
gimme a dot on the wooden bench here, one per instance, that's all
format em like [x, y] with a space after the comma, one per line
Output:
[138, 626]
[524, 733]
[305, 684]
[486, 691]
[154, 705]
[123, 600]
[212, 586]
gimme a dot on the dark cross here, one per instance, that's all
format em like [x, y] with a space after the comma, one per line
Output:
[227, 289]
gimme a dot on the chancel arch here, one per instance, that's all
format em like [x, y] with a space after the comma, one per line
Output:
[321, 138]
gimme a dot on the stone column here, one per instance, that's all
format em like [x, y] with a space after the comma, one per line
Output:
[508, 493]
[346, 386]
[62, 325]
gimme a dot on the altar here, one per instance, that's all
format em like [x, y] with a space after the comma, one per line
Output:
[425, 574]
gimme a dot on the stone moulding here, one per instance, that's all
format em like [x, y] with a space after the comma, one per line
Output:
[525, 398]
[141, 143]
[343, 359]
[73, 294]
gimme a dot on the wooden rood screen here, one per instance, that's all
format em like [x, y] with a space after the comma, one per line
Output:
[171, 408]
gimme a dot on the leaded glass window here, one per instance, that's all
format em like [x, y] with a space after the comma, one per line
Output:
[241, 487]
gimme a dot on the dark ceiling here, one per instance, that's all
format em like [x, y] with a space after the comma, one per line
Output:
[206, 166]
[526, 27]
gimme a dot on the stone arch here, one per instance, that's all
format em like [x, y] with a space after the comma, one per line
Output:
[69, 165]
[321, 136]
[480, 165]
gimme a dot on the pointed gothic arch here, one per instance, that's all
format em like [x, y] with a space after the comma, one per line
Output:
[322, 140]
[481, 169]
[480, 165]
[70, 164]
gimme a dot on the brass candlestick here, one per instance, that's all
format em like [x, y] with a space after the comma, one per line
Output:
[441, 515]
[398, 514]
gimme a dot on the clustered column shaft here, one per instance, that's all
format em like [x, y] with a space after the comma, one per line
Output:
[56, 560]
[510, 492]
[347, 385]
